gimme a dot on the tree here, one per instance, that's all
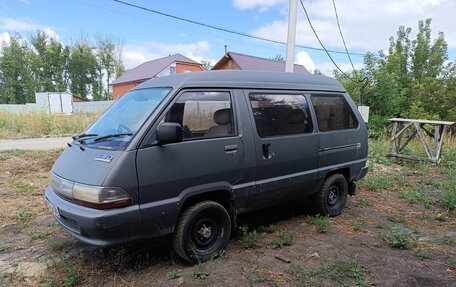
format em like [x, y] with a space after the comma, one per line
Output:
[16, 82]
[109, 62]
[278, 57]
[207, 65]
[412, 80]
[49, 63]
[83, 71]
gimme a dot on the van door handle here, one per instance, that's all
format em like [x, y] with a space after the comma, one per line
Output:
[231, 148]
[266, 154]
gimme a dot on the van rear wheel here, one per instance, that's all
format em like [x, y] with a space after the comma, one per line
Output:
[202, 232]
[331, 198]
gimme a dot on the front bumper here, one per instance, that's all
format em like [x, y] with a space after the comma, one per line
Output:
[93, 226]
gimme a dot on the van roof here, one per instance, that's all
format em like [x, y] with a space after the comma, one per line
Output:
[245, 79]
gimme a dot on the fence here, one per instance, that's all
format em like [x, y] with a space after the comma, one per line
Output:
[57, 103]
[91, 107]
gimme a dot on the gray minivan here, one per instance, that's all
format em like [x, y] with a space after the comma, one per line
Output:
[186, 154]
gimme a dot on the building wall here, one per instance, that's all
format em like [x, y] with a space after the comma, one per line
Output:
[228, 65]
[120, 90]
[181, 67]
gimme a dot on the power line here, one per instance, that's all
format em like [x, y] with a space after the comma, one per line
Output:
[319, 41]
[225, 29]
[341, 35]
[166, 24]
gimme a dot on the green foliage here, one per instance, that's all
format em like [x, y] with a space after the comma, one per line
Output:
[43, 64]
[415, 195]
[24, 215]
[322, 223]
[361, 202]
[447, 240]
[174, 274]
[284, 239]
[339, 271]
[5, 249]
[16, 82]
[358, 225]
[423, 254]
[398, 237]
[200, 273]
[39, 124]
[413, 80]
[250, 239]
[376, 182]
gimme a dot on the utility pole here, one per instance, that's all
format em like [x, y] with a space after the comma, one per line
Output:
[291, 37]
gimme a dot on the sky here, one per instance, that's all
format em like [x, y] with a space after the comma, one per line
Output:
[366, 26]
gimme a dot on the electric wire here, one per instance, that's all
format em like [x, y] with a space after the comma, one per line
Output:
[341, 35]
[321, 44]
[225, 29]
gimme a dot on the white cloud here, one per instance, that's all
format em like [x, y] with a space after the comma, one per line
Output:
[366, 25]
[135, 54]
[327, 68]
[25, 25]
[5, 37]
[263, 5]
[25, 1]
[304, 59]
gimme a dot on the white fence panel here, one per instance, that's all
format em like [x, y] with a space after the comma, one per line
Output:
[91, 107]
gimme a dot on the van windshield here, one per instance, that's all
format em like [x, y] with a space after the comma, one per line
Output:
[117, 126]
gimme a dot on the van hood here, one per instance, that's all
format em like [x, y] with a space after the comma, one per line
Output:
[85, 165]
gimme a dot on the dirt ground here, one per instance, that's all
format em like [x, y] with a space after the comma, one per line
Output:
[398, 230]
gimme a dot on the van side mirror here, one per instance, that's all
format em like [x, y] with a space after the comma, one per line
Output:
[169, 133]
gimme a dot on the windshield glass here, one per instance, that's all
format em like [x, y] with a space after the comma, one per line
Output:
[116, 127]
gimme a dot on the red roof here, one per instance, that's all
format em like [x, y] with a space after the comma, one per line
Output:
[246, 62]
[151, 69]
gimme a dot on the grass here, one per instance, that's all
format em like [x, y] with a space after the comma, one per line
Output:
[39, 124]
[398, 237]
[284, 239]
[174, 274]
[447, 240]
[376, 182]
[322, 223]
[416, 195]
[250, 239]
[423, 254]
[200, 273]
[339, 271]
[358, 225]
[5, 249]
[395, 219]
[361, 202]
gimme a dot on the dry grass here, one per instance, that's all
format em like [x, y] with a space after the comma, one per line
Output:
[41, 124]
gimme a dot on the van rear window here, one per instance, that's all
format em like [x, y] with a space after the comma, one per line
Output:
[279, 114]
[333, 113]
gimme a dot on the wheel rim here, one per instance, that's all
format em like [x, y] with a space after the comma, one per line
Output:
[205, 232]
[334, 194]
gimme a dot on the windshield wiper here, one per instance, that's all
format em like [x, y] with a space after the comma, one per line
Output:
[81, 136]
[100, 138]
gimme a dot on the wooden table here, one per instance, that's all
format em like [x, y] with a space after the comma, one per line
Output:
[432, 143]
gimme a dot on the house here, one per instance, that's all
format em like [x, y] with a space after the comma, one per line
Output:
[173, 64]
[236, 61]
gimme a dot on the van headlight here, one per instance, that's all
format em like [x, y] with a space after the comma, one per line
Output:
[90, 196]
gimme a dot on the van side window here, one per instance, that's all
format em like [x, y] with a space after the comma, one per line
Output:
[280, 114]
[333, 113]
[203, 114]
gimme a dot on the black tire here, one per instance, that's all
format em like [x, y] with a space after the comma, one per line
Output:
[202, 231]
[331, 198]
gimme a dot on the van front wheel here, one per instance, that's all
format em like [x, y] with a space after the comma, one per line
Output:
[202, 232]
[331, 198]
